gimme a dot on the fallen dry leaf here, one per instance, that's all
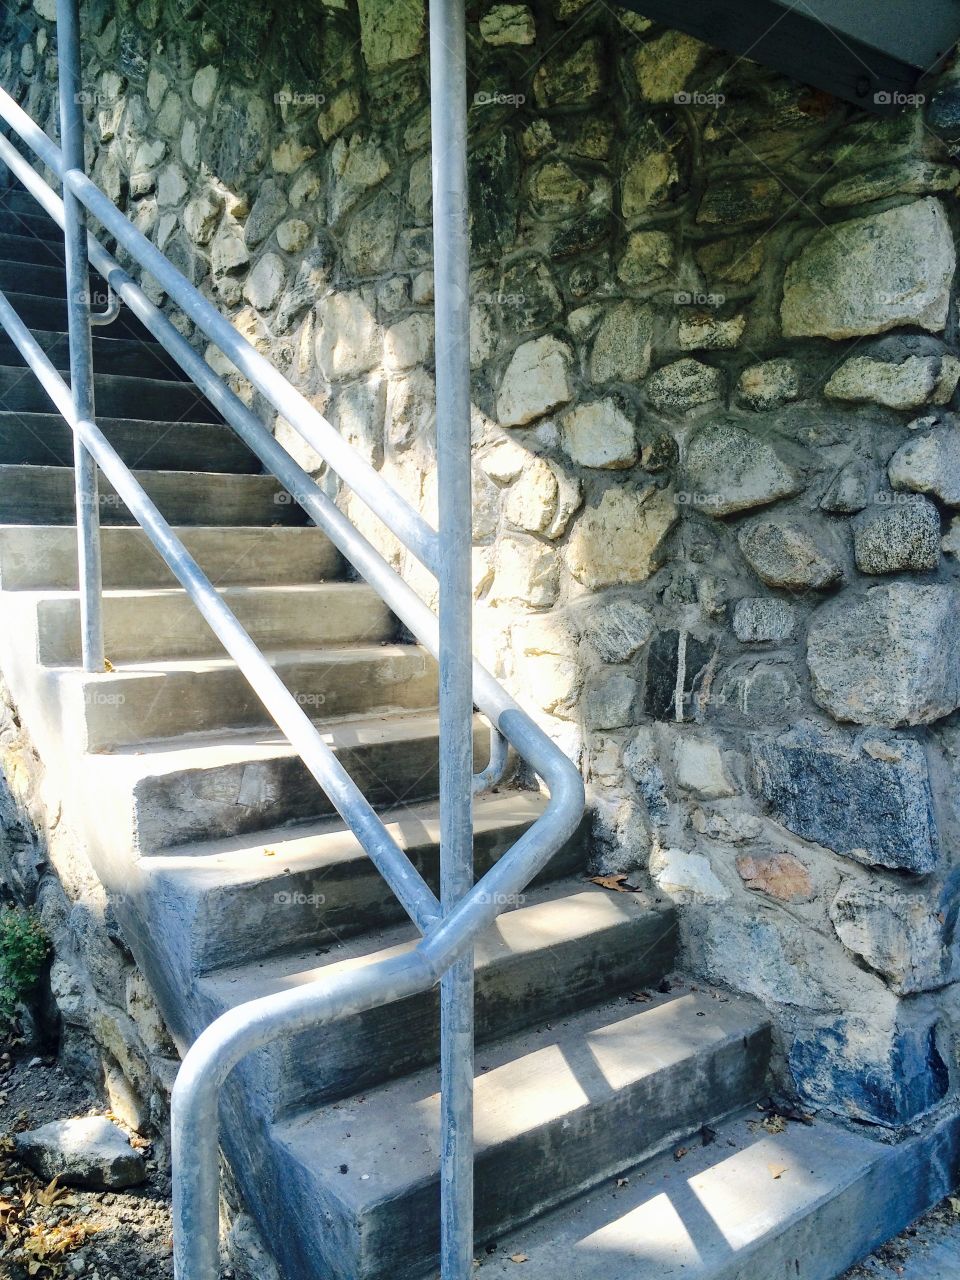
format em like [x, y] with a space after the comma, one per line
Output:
[519, 1257]
[774, 1124]
[777, 1171]
[617, 883]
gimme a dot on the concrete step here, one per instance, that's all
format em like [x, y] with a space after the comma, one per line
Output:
[117, 396]
[50, 314]
[140, 626]
[17, 247]
[559, 950]
[16, 202]
[44, 280]
[124, 355]
[45, 495]
[44, 439]
[804, 1204]
[44, 557]
[558, 1111]
[145, 702]
[247, 898]
[170, 794]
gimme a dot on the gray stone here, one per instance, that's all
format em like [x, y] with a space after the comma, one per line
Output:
[910, 177]
[509, 24]
[784, 554]
[621, 350]
[685, 385]
[355, 166]
[570, 78]
[89, 1151]
[740, 200]
[891, 657]
[268, 208]
[648, 256]
[616, 627]
[873, 274]
[867, 798]
[847, 492]
[902, 935]
[728, 469]
[766, 386]
[609, 700]
[883, 1077]
[915, 382]
[701, 331]
[929, 463]
[900, 536]
[391, 33]
[201, 216]
[760, 619]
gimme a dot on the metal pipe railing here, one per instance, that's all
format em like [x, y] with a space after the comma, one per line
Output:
[81, 343]
[451, 250]
[446, 948]
[411, 889]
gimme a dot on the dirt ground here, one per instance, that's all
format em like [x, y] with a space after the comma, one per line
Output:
[92, 1235]
[97, 1235]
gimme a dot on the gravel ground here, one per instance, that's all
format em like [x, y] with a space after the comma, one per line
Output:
[93, 1235]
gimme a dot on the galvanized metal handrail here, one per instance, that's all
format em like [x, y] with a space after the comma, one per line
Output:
[450, 927]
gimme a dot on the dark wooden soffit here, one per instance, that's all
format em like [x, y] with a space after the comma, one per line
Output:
[875, 53]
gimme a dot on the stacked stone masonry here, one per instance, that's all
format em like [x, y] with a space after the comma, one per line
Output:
[717, 473]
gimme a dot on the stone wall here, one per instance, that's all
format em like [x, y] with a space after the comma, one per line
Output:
[716, 466]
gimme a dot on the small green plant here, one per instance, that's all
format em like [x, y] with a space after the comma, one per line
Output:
[23, 949]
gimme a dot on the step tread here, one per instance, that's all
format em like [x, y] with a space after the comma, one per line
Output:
[714, 1215]
[524, 1083]
[345, 654]
[327, 844]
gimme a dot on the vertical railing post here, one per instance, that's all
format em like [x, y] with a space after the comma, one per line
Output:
[81, 345]
[448, 100]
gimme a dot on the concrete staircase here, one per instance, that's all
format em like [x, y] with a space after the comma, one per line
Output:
[232, 879]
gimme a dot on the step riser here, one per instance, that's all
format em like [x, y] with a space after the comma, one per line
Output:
[336, 1062]
[239, 798]
[126, 712]
[40, 439]
[27, 248]
[145, 628]
[116, 397]
[17, 202]
[128, 357]
[45, 281]
[523, 1177]
[45, 558]
[35, 495]
[38, 312]
[236, 924]
[34, 224]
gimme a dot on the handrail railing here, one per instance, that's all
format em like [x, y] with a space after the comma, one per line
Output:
[449, 931]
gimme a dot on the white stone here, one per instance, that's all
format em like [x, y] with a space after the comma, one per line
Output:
[201, 216]
[289, 156]
[292, 235]
[599, 434]
[531, 503]
[686, 877]
[171, 185]
[620, 539]
[699, 767]
[915, 382]
[536, 382]
[204, 87]
[348, 342]
[89, 1151]
[526, 573]
[409, 342]
[265, 282]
